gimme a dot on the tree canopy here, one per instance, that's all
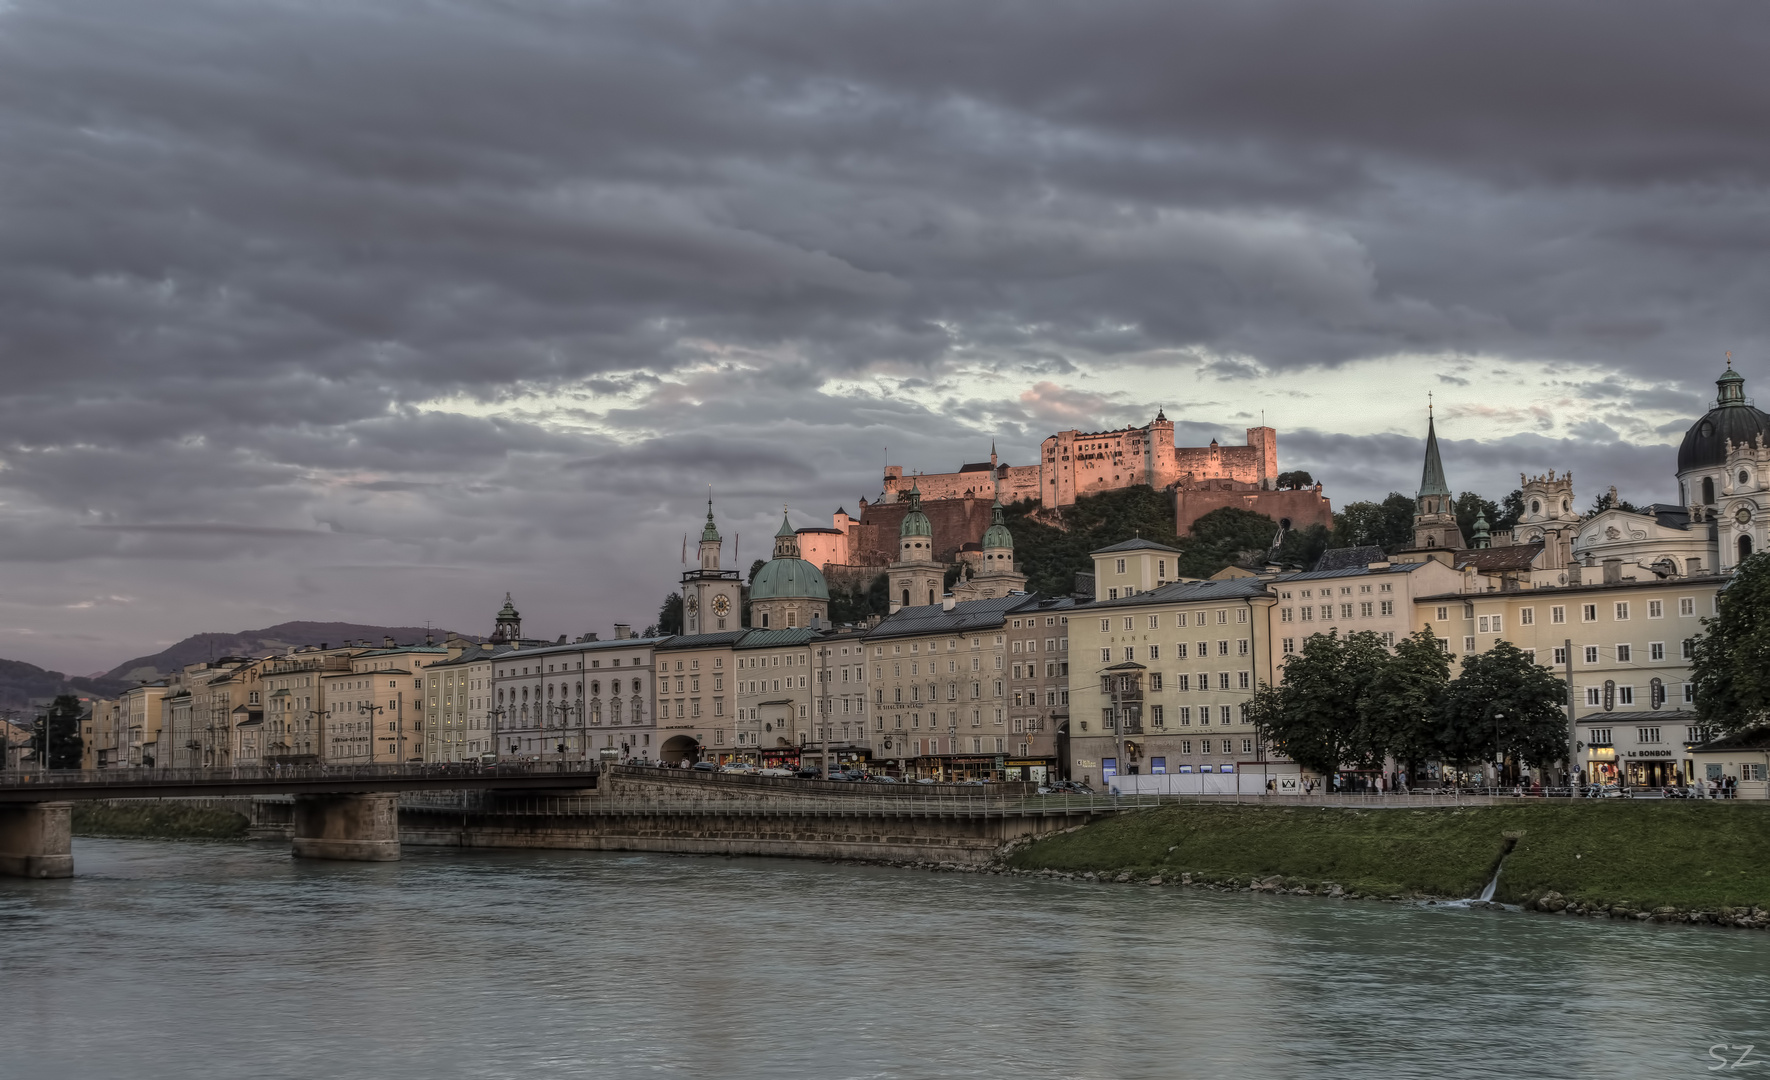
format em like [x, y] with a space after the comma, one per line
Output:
[1731, 666]
[1388, 524]
[61, 723]
[1351, 703]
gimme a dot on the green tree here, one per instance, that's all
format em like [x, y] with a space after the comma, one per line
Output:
[1731, 665]
[1302, 547]
[60, 726]
[1503, 703]
[848, 605]
[755, 568]
[1051, 548]
[669, 616]
[1388, 524]
[1224, 537]
[1511, 509]
[1318, 715]
[1405, 699]
[1296, 480]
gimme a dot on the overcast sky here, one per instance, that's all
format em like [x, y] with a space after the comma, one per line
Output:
[342, 309]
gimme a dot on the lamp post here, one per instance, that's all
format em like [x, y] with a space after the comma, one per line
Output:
[369, 709]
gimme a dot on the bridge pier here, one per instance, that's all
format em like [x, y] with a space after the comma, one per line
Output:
[36, 840]
[351, 828]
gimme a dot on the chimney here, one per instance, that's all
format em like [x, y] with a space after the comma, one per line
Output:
[948, 602]
[387, 643]
[561, 640]
[589, 637]
[623, 631]
[1612, 571]
[324, 646]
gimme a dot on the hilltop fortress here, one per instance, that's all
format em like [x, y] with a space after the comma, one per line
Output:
[1075, 463]
[1071, 464]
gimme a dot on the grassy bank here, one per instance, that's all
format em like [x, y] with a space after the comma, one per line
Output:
[163, 820]
[1637, 855]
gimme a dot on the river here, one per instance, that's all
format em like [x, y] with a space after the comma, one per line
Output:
[232, 960]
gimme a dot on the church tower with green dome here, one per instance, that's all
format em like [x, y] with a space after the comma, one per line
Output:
[997, 577]
[788, 592]
[916, 578]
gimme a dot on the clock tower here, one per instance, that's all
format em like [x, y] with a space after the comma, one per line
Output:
[710, 596]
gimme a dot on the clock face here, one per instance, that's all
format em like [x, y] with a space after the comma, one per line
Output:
[1744, 516]
[721, 606]
[693, 604]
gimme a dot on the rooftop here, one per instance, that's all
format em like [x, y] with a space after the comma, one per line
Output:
[1137, 544]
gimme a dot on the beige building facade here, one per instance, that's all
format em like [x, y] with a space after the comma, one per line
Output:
[1625, 646]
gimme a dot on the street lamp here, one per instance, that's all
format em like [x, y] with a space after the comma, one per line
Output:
[369, 709]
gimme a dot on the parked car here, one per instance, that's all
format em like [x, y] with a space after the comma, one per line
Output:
[704, 766]
[809, 773]
[925, 780]
[739, 768]
[775, 770]
[1606, 791]
[881, 778]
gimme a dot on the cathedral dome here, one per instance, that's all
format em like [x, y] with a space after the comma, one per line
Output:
[787, 576]
[1733, 418]
[789, 579]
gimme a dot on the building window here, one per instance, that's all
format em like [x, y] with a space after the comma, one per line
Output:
[1591, 654]
[1120, 567]
[1656, 650]
[1647, 735]
[1155, 715]
[1656, 609]
[1601, 736]
[1625, 695]
[1557, 614]
[1526, 616]
[1592, 696]
[1686, 605]
[1155, 680]
[1588, 613]
[1443, 612]
[1242, 679]
[1183, 682]
[1290, 646]
[1622, 611]
[1186, 717]
[1223, 716]
[1468, 644]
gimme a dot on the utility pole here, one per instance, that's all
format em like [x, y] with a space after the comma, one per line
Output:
[1572, 725]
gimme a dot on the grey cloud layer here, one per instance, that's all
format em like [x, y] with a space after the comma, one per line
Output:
[242, 247]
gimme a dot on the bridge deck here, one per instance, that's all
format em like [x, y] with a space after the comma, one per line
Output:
[74, 784]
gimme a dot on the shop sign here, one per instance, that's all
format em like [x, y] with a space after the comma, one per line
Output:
[1609, 694]
[1603, 753]
[1648, 753]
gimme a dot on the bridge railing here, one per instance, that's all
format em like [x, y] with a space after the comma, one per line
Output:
[14, 779]
[935, 805]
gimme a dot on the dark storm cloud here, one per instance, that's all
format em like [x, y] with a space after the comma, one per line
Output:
[459, 284]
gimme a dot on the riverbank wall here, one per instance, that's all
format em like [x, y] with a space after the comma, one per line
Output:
[1671, 862]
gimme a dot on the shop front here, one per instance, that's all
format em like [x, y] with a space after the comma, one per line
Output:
[1651, 768]
[779, 757]
[1031, 770]
[1601, 766]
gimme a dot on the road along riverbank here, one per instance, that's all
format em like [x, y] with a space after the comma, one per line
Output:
[1671, 862]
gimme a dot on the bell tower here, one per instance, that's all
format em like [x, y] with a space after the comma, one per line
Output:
[710, 596]
[916, 579]
[1435, 517]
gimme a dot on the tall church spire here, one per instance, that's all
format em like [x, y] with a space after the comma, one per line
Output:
[1432, 480]
[1435, 519]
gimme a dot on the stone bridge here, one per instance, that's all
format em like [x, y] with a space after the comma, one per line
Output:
[340, 812]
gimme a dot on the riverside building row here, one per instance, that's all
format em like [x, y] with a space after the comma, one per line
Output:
[976, 680]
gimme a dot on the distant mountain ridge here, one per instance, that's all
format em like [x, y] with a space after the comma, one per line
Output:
[20, 682]
[271, 639]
